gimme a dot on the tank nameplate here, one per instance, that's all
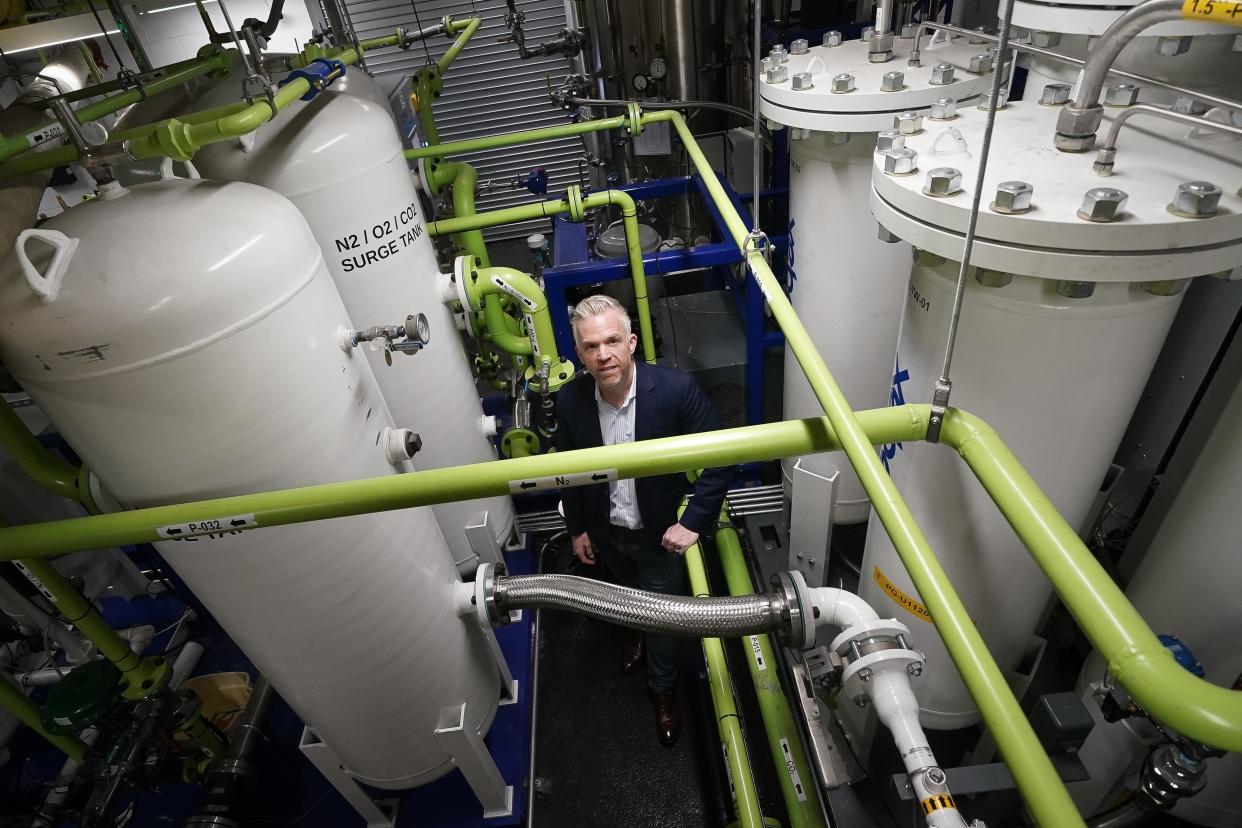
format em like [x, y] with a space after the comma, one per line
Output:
[900, 598]
[382, 240]
[208, 527]
[560, 481]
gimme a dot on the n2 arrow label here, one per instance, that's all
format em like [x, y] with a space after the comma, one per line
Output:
[562, 481]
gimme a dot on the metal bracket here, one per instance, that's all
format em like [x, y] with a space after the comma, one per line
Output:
[378, 814]
[836, 767]
[939, 407]
[482, 539]
[758, 240]
[810, 524]
[471, 598]
[470, 754]
[257, 86]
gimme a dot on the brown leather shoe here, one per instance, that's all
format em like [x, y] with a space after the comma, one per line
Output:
[668, 716]
[632, 657]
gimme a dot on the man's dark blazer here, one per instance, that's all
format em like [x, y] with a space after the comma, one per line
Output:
[669, 403]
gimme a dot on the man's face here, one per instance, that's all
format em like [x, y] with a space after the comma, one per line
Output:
[606, 350]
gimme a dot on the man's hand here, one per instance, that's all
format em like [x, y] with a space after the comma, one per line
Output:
[583, 550]
[678, 539]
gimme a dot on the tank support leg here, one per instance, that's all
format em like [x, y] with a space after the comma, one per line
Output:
[382, 814]
[471, 755]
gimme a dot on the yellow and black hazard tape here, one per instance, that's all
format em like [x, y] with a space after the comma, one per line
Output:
[939, 802]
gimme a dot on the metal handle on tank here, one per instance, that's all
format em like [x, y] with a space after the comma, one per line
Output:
[46, 285]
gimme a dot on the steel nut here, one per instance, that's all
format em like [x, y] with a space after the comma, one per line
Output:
[1171, 46]
[889, 139]
[981, 64]
[1055, 94]
[1199, 199]
[799, 46]
[779, 52]
[943, 109]
[893, 82]
[900, 161]
[908, 123]
[975, 41]
[777, 74]
[908, 30]
[867, 32]
[942, 74]
[1013, 197]
[802, 81]
[1045, 40]
[832, 38]
[880, 47]
[943, 181]
[1122, 94]
[843, 83]
[985, 99]
[1189, 106]
[1103, 204]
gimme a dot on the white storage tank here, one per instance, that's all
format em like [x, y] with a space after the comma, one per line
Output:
[340, 160]
[848, 283]
[1062, 322]
[190, 350]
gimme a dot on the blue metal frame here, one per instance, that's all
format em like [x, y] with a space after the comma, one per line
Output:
[572, 266]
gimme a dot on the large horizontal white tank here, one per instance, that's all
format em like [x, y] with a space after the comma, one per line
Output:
[848, 284]
[1186, 586]
[340, 160]
[1060, 328]
[192, 351]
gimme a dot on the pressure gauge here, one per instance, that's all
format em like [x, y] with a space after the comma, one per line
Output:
[657, 69]
[639, 82]
[417, 328]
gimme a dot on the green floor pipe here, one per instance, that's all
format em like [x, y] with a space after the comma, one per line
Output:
[801, 797]
[552, 207]
[1192, 706]
[44, 468]
[668, 455]
[745, 793]
[27, 712]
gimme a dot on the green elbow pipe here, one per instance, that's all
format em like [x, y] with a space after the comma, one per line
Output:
[27, 712]
[505, 281]
[633, 247]
[467, 28]
[48, 471]
[745, 793]
[464, 180]
[798, 783]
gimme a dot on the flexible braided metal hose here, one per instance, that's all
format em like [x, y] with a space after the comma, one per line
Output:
[647, 611]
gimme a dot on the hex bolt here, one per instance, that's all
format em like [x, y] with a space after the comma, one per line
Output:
[908, 30]
[981, 64]
[855, 653]
[943, 109]
[1121, 94]
[1103, 204]
[935, 776]
[802, 81]
[1189, 106]
[867, 32]
[1045, 40]
[799, 46]
[843, 83]
[889, 139]
[908, 123]
[1075, 290]
[975, 41]
[885, 235]
[942, 74]
[1055, 94]
[1013, 197]
[799, 133]
[914, 669]
[778, 73]
[901, 161]
[838, 139]
[1165, 287]
[943, 182]
[768, 64]
[992, 278]
[1172, 46]
[902, 643]
[832, 38]
[1196, 199]
[1001, 102]
[865, 674]
[778, 51]
[893, 82]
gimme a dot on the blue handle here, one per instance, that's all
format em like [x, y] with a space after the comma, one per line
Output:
[319, 73]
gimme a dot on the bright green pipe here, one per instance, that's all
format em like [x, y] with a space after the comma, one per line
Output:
[802, 806]
[465, 181]
[745, 794]
[510, 139]
[1192, 706]
[533, 304]
[48, 471]
[668, 455]
[175, 75]
[467, 29]
[500, 331]
[526, 212]
[16, 702]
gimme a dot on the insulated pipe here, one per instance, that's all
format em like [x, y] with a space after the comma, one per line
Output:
[1081, 117]
[728, 723]
[797, 781]
[526, 212]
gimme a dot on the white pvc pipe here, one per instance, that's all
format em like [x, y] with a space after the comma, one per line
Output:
[59, 792]
[139, 639]
[21, 610]
[185, 663]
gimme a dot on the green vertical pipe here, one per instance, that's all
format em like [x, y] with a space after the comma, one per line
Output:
[467, 28]
[802, 806]
[464, 180]
[16, 702]
[427, 85]
[48, 471]
[745, 794]
[1193, 707]
[1038, 781]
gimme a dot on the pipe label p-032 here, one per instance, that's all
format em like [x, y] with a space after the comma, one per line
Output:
[208, 527]
[1217, 11]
